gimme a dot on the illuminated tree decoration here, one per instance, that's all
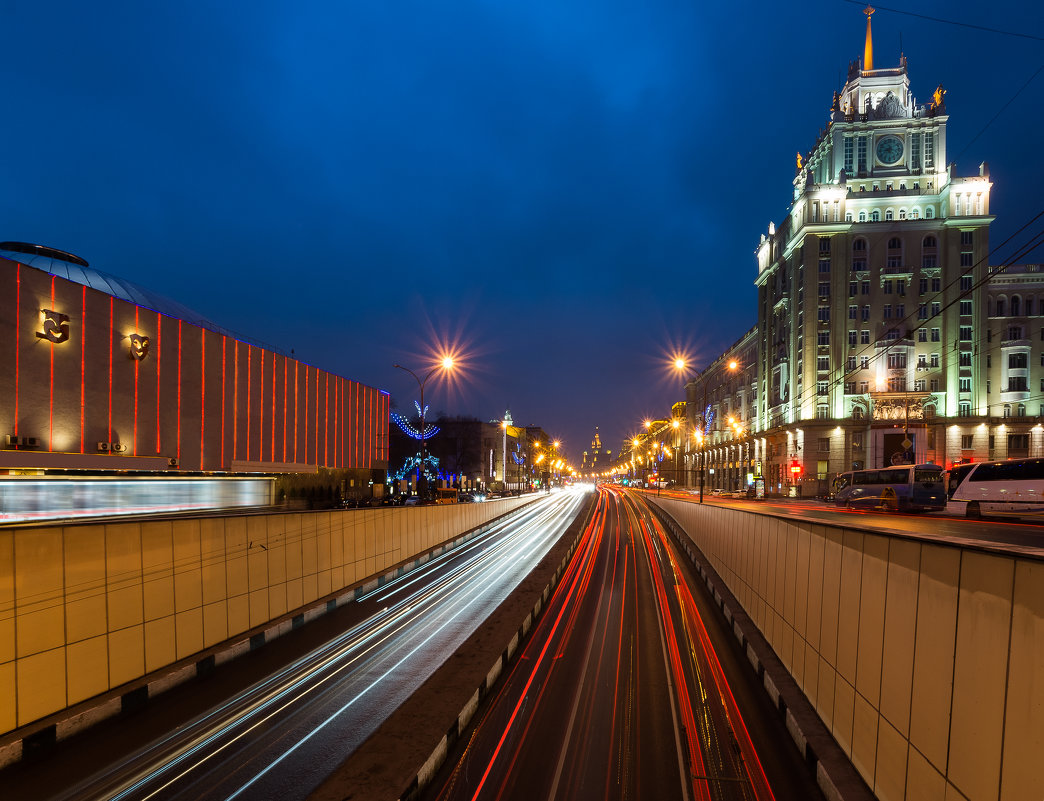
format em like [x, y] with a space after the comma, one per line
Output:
[431, 467]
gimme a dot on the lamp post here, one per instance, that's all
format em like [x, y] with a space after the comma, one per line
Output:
[444, 365]
[701, 434]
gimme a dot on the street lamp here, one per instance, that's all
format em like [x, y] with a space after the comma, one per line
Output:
[445, 365]
[702, 433]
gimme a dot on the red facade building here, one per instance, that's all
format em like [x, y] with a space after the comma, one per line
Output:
[97, 374]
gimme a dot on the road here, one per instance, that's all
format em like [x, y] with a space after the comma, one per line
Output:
[946, 527]
[282, 735]
[621, 692]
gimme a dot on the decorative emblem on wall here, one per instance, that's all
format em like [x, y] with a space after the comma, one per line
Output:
[55, 326]
[139, 346]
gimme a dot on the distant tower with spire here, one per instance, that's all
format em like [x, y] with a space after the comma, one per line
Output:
[595, 459]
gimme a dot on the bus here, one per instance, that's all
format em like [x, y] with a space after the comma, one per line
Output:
[445, 495]
[902, 488]
[1012, 488]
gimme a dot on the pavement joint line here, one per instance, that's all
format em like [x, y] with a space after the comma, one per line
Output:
[840, 781]
[78, 718]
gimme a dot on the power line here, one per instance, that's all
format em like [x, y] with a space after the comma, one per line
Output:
[971, 25]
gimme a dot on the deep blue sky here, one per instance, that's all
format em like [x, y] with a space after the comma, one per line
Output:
[568, 191]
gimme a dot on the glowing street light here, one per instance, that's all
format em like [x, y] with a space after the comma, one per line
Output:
[444, 365]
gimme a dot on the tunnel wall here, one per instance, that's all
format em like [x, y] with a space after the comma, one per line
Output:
[925, 660]
[85, 608]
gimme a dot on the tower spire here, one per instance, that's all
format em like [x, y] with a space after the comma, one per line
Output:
[868, 48]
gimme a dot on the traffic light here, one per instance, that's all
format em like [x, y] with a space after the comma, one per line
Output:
[795, 469]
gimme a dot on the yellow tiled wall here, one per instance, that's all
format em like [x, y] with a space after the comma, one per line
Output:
[926, 661]
[85, 608]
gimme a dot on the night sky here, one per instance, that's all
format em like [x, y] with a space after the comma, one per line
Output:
[567, 193]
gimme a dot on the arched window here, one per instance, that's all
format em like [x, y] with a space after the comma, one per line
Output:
[1020, 410]
[929, 242]
[875, 216]
[857, 412]
[894, 257]
[859, 245]
[894, 242]
[848, 216]
[929, 253]
[914, 214]
[1000, 307]
[888, 215]
[1007, 410]
[862, 216]
[902, 214]
[929, 213]
[1016, 306]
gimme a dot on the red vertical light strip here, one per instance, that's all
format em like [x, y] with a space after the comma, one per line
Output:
[235, 403]
[261, 410]
[224, 348]
[159, 363]
[18, 338]
[50, 405]
[286, 402]
[326, 420]
[202, 392]
[372, 427]
[341, 383]
[83, 366]
[358, 429]
[111, 299]
[296, 365]
[179, 393]
[272, 454]
[306, 416]
[317, 416]
[250, 365]
[137, 362]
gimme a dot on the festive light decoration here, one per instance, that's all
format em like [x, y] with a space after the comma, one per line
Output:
[411, 430]
[518, 459]
[411, 465]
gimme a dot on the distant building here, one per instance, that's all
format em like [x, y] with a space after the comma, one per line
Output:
[595, 459]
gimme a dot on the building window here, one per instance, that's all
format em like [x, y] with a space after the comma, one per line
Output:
[850, 364]
[900, 310]
[964, 384]
[929, 149]
[853, 288]
[823, 444]
[864, 337]
[866, 313]
[935, 308]
[824, 244]
[966, 260]
[864, 362]
[864, 288]
[915, 214]
[888, 215]
[966, 442]
[897, 384]
[965, 358]
[1014, 306]
[852, 312]
[1020, 411]
[965, 333]
[935, 335]
[824, 289]
[933, 385]
[900, 286]
[929, 212]
[887, 310]
[821, 387]
[922, 361]
[999, 306]
[896, 360]
[888, 287]
[824, 264]
[964, 409]
[966, 283]
[934, 360]
[849, 148]
[902, 212]
[1014, 332]
[1017, 360]
[919, 385]
[966, 308]
[922, 334]
[1017, 383]
[922, 311]
[823, 338]
[861, 153]
[862, 216]
[967, 238]
[852, 336]
[823, 363]
[821, 412]
[936, 285]
[875, 215]
[857, 437]
[824, 314]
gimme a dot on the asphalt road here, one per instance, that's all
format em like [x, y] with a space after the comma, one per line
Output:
[628, 688]
[310, 700]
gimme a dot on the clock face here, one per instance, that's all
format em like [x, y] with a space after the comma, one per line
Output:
[889, 149]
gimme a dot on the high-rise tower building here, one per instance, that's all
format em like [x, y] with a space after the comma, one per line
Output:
[871, 313]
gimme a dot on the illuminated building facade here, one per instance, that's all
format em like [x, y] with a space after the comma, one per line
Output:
[97, 374]
[872, 314]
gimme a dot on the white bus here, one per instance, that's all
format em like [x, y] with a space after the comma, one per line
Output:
[1013, 488]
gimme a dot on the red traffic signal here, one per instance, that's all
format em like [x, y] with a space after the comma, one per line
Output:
[795, 467]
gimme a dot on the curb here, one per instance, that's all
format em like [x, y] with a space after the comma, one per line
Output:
[835, 775]
[38, 738]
